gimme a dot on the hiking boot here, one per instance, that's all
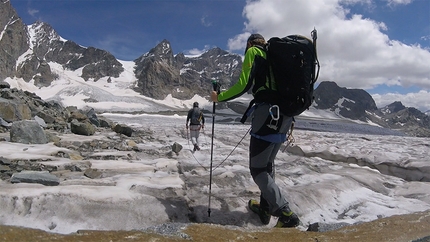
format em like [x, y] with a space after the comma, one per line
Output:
[263, 214]
[195, 148]
[287, 220]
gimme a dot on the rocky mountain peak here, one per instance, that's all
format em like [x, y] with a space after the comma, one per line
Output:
[160, 73]
[408, 119]
[349, 103]
[42, 33]
[13, 39]
[161, 52]
[357, 104]
[38, 44]
[393, 108]
[163, 48]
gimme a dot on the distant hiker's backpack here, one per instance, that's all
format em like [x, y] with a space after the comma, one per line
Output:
[288, 74]
[196, 116]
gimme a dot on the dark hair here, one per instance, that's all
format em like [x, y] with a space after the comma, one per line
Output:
[195, 104]
[255, 39]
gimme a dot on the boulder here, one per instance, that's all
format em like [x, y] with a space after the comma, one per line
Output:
[176, 147]
[123, 129]
[27, 132]
[82, 128]
[41, 177]
[12, 111]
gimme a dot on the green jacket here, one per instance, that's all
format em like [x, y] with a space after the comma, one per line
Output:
[244, 83]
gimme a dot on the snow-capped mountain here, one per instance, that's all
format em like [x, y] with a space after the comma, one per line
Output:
[37, 59]
[357, 104]
[159, 73]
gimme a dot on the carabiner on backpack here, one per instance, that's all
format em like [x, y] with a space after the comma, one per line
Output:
[275, 117]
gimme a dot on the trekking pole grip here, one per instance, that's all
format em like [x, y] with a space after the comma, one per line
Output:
[314, 34]
[216, 86]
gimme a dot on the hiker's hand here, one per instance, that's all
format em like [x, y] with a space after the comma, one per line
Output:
[214, 96]
[186, 126]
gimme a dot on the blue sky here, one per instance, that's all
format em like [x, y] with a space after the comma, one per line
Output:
[381, 46]
[130, 28]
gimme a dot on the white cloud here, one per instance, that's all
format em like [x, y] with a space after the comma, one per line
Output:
[426, 37]
[398, 2]
[196, 52]
[32, 12]
[205, 22]
[417, 100]
[354, 51]
[239, 41]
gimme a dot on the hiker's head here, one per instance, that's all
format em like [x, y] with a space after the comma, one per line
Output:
[195, 104]
[255, 39]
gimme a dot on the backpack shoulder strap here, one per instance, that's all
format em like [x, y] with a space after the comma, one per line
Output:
[248, 111]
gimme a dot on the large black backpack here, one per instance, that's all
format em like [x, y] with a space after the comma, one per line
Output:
[288, 74]
[196, 116]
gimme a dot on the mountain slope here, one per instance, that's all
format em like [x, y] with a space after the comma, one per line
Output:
[357, 104]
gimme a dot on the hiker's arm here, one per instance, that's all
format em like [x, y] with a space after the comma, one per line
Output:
[243, 84]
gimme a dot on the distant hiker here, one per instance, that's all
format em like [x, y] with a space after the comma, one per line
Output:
[197, 121]
[268, 131]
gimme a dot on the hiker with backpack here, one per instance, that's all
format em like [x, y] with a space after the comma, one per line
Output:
[196, 122]
[271, 120]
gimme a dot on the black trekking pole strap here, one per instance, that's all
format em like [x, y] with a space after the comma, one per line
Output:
[216, 87]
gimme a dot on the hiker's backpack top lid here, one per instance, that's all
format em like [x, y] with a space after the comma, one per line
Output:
[196, 116]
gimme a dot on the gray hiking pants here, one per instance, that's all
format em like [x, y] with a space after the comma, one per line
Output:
[194, 134]
[262, 156]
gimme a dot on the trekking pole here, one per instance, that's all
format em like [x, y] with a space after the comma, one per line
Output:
[188, 138]
[317, 63]
[216, 87]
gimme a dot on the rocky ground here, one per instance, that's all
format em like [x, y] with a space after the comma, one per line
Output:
[413, 227]
[67, 124]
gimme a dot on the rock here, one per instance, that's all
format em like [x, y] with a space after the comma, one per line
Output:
[4, 168]
[27, 132]
[322, 227]
[4, 123]
[105, 123]
[47, 118]
[93, 117]
[78, 116]
[75, 156]
[4, 85]
[40, 121]
[41, 177]
[131, 143]
[11, 110]
[176, 148]
[92, 173]
[4, 161]
[52, 137]
[123, 129]
[82, 128]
